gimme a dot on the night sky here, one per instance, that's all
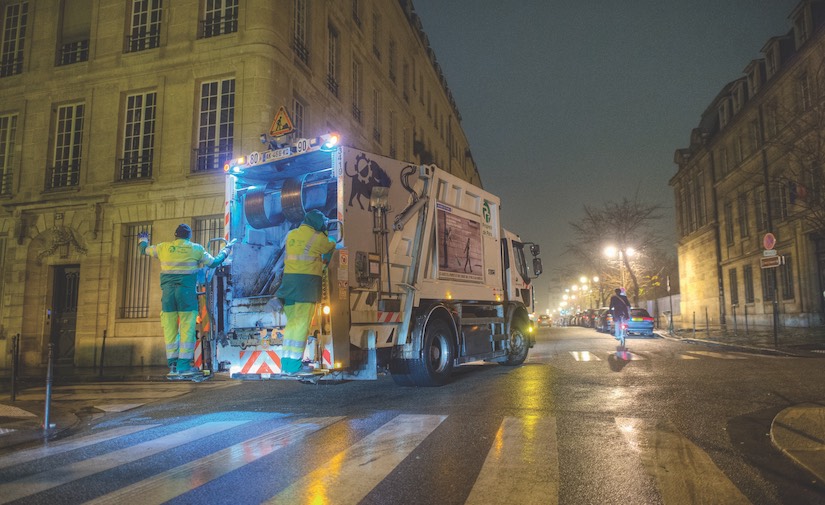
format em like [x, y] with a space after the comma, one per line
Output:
[576, 102]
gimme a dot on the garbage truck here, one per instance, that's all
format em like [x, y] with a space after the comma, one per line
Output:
[423, 277]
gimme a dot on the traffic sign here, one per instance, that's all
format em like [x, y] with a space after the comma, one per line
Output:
[769, 241]
[769, 252]
[771, 261]
[281, 125]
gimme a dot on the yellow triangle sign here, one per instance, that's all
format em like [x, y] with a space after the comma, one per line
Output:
[282, 124]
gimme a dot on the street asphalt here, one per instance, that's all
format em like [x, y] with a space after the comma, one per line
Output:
[798, 431]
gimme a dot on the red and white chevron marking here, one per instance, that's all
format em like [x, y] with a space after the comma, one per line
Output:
[260, 362]
[388, 317]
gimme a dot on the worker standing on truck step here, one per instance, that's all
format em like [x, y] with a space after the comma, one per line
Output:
[180, 261]
[308, 249]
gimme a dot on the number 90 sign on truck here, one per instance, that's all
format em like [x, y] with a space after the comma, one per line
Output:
[423, 277]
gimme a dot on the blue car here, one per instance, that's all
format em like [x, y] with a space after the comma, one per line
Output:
[640, 323]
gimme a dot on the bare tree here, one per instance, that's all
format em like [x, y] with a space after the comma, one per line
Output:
[796, 127]
[628, 224]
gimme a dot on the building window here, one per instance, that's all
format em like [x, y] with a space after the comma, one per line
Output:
[8, 131]
[145, 25]
[75, 32]
[729, 223]
[356, 12]
[138, 136]
[405, 81]
[376, 35]
[699, 200]
[376, 115]
[356, 90]
[299, 31]
[216, 125]
[753, 129]
[393, 151]
[219, 17]
[771, 123]
[771, 60]
[783, 200]
[786, 278]
[768, 286]
[800, 28]
[205, 229]
[68, 147]
[742, 210]
[761, 210]
[747, 274]
[723, 161]
[733, 287]
[391, 59]
[15, 19]
[134, 303]
[724, 114]
[333, 57]
[298, 117]
[804, 92]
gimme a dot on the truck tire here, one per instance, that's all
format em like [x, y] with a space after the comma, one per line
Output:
[518, 345]
[435, 364]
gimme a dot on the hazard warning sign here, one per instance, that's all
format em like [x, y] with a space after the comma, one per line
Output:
[282, 124]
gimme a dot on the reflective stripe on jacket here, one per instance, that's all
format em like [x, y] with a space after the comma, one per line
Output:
[304, 250]
[181, 257]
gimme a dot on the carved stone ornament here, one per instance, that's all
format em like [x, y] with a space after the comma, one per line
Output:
[57, 237]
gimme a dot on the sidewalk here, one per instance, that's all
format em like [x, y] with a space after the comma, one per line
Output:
[22, 421]
[797, 431]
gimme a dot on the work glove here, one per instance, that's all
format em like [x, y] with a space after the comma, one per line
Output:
[228, 247]
[143, 237]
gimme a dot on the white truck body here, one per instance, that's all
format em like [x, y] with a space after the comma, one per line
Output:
[423, 278]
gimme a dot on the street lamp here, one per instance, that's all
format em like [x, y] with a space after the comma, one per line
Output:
[613, 251]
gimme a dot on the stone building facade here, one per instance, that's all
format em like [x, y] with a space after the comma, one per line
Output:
[743, 176]
[117, 116]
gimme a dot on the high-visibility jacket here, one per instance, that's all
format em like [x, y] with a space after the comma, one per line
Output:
[304, 264]
[182, 257]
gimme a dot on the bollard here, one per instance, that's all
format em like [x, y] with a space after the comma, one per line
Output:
[735, 329]
[46, 423]
[707, 323]
[102, 354]
[15, 351]
[746, 320]
[694, 324]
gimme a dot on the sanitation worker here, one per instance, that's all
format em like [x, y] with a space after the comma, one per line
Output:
[180, 262]
[308, 248]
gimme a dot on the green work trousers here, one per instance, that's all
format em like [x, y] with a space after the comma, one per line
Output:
[298, 318]
[179, 313]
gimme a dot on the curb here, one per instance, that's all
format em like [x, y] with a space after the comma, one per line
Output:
[799, 433]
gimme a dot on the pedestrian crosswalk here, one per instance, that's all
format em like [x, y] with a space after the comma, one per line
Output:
[518, 463]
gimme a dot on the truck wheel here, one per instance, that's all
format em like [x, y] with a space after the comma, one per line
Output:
[435, 364]
[518, 347]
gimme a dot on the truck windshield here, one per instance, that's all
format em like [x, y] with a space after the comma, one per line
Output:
[521, 263]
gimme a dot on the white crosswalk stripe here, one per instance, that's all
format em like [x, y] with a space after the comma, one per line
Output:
[630, 355]
[684, 473]
[520, 464]
[526, 448]
[68, 445]
[175, 482]
[56, 476]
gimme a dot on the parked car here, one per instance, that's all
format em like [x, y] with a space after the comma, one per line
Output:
[544, 320]
[640, 323]
[604, 321]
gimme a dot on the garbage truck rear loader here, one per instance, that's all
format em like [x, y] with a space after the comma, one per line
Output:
[423, 278]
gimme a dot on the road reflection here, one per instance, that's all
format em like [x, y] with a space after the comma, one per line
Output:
[618, 360]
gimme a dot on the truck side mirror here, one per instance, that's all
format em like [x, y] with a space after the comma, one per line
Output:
[537, 269]
[535, 250]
